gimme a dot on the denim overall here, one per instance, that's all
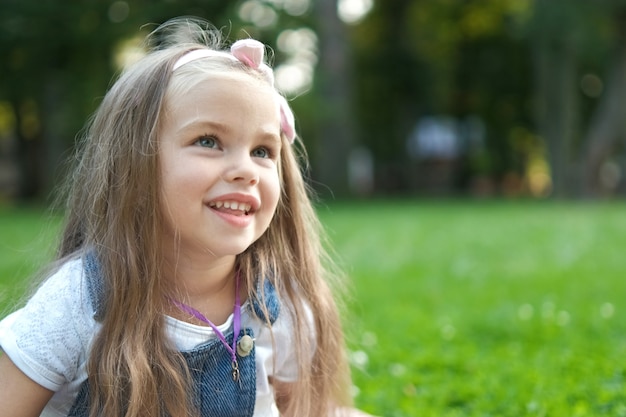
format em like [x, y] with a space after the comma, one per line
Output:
[216, 393]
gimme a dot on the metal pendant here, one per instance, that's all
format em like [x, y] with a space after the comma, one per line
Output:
[235, 371]
[245, 345]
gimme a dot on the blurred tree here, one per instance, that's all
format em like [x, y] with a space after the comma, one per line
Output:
[36, 36]
[489, 82]
[607, 126]
[558, 50]
[60, 57]
[529, 70]
[334, 131]
[557, 102]
[582, 133]
[388, 91]
[416, 58]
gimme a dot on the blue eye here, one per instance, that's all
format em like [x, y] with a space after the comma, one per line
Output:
[207, 141]
[261, 153]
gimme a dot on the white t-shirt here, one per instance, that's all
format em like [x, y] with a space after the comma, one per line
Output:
[49, 340]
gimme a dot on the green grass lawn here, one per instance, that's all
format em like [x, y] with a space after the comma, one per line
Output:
[486, 309]
[458, 308]
[27, 239]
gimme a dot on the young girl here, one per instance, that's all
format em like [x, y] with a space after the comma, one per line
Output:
[190, 278]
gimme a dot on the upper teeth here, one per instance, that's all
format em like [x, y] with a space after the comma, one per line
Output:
[233, 205]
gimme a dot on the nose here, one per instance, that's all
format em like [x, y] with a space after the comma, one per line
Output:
[242, 169]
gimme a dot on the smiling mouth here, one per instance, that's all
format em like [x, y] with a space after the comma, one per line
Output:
[233, 207]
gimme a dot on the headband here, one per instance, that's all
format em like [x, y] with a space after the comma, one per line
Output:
[250, 52]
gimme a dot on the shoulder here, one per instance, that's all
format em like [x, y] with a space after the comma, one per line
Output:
[48, 338]
[62, 282]
[61, 296]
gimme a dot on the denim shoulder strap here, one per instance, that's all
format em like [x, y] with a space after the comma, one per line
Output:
[95, 284]
[215, 392]
[268, 297]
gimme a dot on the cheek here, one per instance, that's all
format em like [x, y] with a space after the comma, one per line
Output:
[176, 193]
[182, 179]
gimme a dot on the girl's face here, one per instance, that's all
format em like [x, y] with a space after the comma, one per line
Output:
[219, 152]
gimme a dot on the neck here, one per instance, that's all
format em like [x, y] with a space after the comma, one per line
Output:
[209, 287]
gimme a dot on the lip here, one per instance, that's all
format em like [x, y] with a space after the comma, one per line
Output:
[240, 219]
[253, 201]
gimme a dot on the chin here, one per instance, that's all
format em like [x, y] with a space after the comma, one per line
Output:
[234, 249]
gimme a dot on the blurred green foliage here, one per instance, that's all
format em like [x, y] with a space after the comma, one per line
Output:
[543, 76]
[58, 60]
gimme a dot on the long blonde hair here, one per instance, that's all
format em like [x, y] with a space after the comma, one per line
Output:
[114, 209]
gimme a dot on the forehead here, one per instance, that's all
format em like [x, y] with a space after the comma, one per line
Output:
[189, 76]
[227, 97]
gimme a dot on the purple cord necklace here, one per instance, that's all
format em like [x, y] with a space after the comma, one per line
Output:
[236, 326]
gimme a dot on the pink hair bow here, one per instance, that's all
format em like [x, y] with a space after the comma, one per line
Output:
[249, 51]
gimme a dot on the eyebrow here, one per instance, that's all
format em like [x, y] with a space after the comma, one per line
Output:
[203, 123]
[272, 137]
[199, 124]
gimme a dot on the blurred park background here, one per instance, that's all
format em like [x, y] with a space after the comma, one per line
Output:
[395, 97]
[470, 159]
